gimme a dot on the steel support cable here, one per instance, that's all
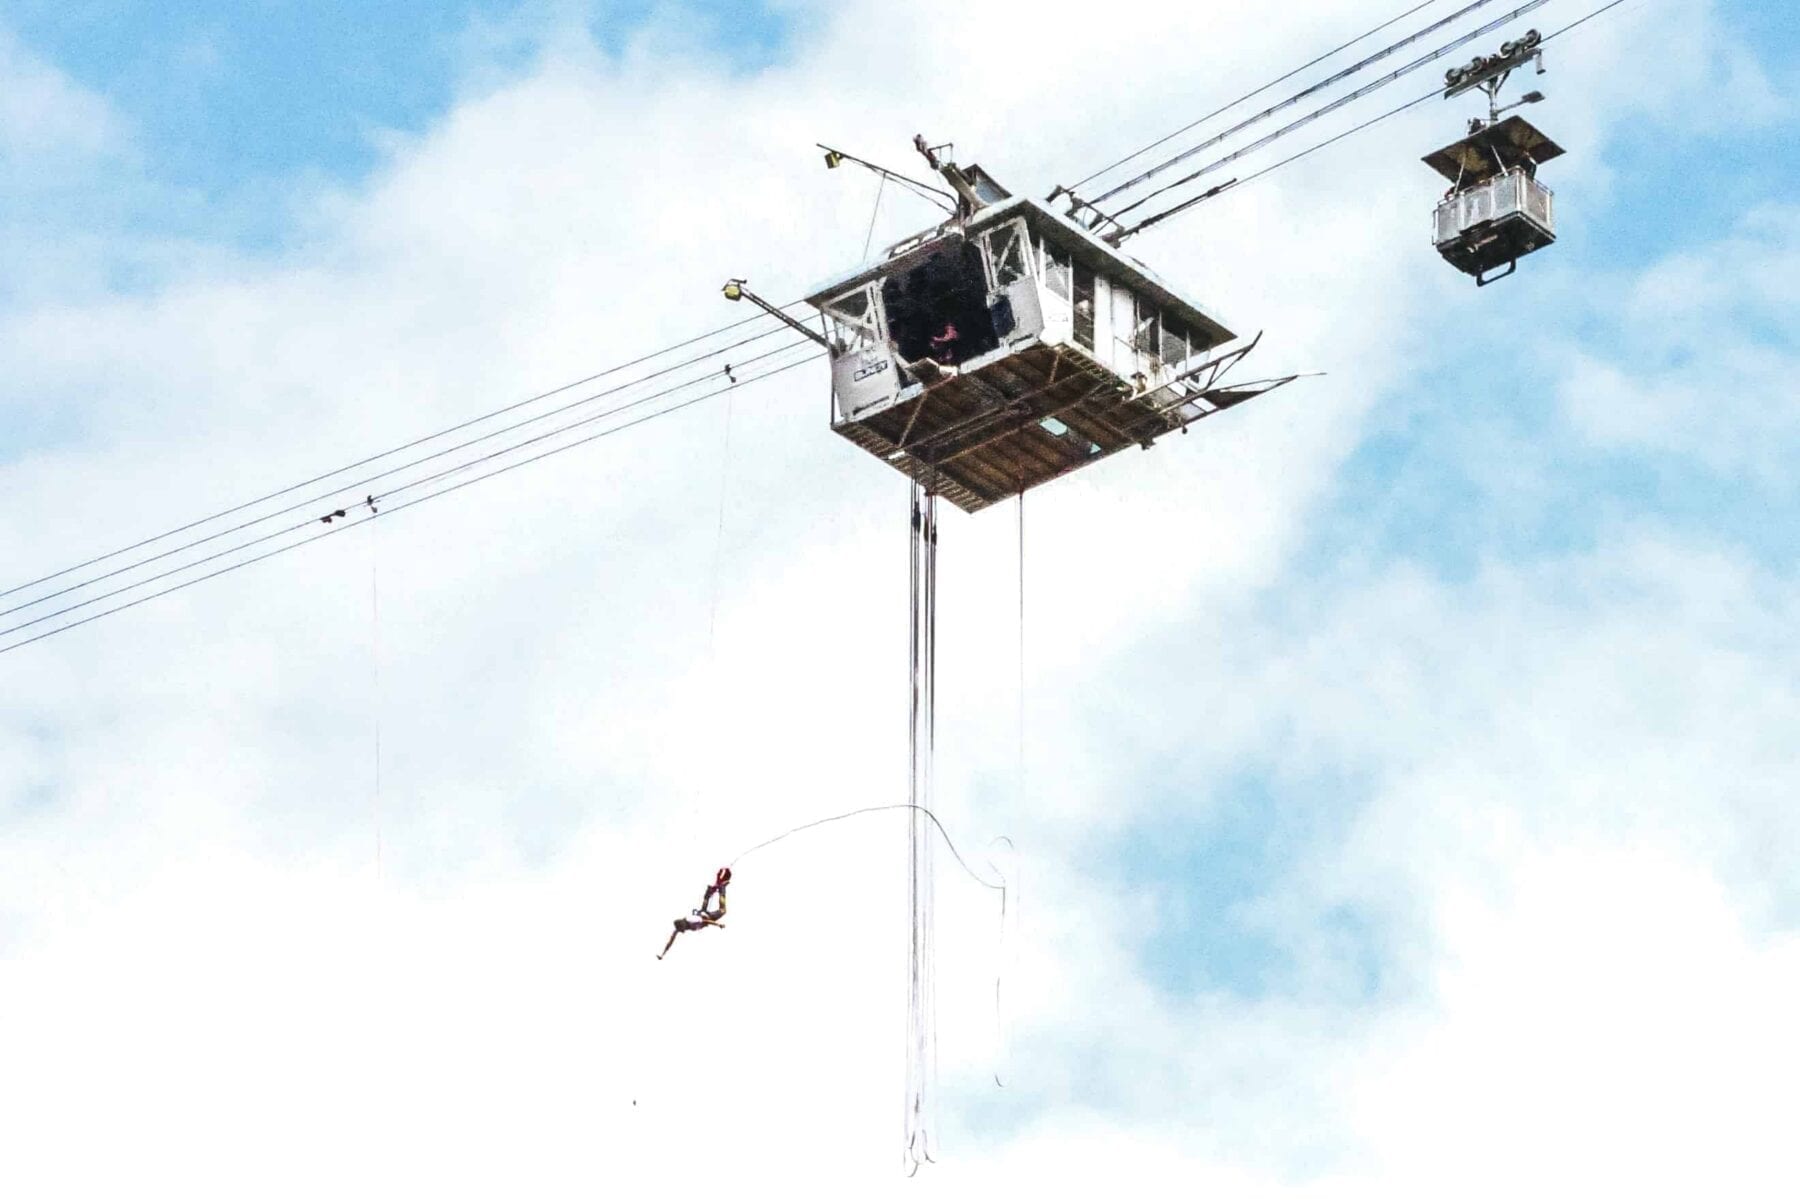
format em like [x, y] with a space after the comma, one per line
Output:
[1251, 95]
[1348, 98]
[416, 483]
[324, 498]
[921, 961]
[916, 190]
[1191, 201]
[930, 906]
[1434, 94]
[1311, 90]
[400, 449]
[913, 1099]
[389, 510]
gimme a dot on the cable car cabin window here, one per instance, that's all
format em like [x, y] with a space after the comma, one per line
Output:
[1056, 270]
[1007, 254]
[938, 309]
[1146, 341]
[1084, 306]
[854, 325]
[1176, 343]
[1124, 327]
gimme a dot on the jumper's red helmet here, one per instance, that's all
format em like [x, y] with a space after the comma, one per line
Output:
[723, 878]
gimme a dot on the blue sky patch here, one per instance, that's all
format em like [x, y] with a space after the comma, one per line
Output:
[229, 104]
[1207, 870]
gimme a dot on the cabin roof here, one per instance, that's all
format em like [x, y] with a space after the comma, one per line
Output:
[1080, 244]
[1472, 160]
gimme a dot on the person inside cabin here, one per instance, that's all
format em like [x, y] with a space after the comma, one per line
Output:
[943, 346]
[706, 915]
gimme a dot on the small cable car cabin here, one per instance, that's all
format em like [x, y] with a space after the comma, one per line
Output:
[1010, 347]
[1496, 212]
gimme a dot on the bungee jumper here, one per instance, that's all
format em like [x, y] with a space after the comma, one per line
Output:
[706, 915]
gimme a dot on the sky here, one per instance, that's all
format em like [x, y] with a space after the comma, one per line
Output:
[1402, 779]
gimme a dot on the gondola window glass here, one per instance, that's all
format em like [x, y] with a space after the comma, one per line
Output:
[1056, 270]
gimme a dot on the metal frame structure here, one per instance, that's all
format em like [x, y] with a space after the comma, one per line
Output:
[1062, 351]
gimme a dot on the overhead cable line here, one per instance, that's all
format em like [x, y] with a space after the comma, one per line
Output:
[416, 442]
[1247, 96]
[1295, 157]
[1340, 102]
[321, 498]
[387, 510]
[1180, 207]
[1184, 205]
[433, 478]
[1321, 85]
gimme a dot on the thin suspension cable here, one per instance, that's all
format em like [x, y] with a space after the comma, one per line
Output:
[1184, 205]
[1584, 20]
[419, 441]
[1340, 102]
[1008, 898]
[326, 496]
[388, 511]
[1251, 95]
[1392, 112]
[875, 808]
[1019, 769]
[421, 482]
[375, 680]
[1311, 90]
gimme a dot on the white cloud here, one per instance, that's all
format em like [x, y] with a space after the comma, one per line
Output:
[48, 122]
[1712, 359]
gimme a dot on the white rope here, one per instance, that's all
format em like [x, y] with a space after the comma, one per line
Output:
[375, 673]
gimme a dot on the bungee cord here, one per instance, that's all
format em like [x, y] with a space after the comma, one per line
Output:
[921, 977]
[875, 808]
[922, 960]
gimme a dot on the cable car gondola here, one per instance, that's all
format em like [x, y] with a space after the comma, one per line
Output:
[1496, 210]
[1009, 346]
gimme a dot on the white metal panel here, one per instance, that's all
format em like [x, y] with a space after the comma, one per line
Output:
[1028, 310]
[1121, 328]
[1103, 318]
[863, 382]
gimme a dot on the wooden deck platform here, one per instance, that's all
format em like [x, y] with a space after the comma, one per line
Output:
[1030, 417]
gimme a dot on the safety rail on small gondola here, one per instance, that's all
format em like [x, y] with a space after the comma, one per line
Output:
[1496, 211]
